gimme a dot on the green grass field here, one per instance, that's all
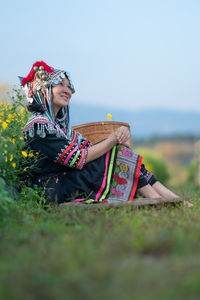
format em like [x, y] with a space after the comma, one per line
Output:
[74, 253]
[112, 254]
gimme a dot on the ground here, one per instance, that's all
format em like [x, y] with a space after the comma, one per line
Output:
[111, 254]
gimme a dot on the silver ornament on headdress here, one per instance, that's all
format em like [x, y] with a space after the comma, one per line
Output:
[43, 80]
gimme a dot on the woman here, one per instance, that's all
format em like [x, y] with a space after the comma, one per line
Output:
[69, 167]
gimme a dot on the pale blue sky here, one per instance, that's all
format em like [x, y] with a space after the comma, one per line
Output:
[125, 54]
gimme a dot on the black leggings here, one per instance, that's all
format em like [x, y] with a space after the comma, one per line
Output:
[145, 177]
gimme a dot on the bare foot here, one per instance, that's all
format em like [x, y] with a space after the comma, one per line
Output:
[187, 204]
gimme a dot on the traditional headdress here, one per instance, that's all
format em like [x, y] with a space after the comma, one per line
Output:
[37, 87]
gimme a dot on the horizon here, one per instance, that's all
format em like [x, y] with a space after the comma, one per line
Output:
[129, 54]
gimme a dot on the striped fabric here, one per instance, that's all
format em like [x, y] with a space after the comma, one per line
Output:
[54, 144]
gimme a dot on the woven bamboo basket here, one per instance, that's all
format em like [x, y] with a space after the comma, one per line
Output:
[97, 131]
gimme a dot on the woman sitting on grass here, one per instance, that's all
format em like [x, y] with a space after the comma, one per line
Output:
[69, 167]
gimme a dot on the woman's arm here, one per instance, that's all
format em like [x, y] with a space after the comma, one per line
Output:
[101, 148]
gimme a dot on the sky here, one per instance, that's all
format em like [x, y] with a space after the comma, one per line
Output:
[123, 54]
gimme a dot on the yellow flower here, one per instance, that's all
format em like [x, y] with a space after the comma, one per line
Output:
[24, 153]
[4, 125]
[22, 110]
[14, 165]
[9, 116]
[25, 169]
[11, 157]
[109, 116]
[1, 114]
[21, 138]
[30, 155]
[6, 159]
[5, 145]
[5, 152]
[13, 141]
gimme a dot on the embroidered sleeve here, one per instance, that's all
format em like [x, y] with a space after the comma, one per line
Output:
[81, 141]
[52, 143]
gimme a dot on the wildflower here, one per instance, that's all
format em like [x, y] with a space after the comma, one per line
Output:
[9, 116]
[22, 110]
[6, 159]
[13, 141]
[14, 165]
[1, 114]
[109, 116]
[11, 157]
[21, 138]
[30, 155]
[5, 145]
[24, 153]
[5, 152]
[25, 169]
[4, 125]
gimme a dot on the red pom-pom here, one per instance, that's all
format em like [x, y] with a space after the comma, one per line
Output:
[31, 74]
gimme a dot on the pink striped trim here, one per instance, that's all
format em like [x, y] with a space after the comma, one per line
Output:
[105, 177]
[64, 152]
[84, 144]
[69, 156]
[79, 200]
[103, 183]
[75, 136]
[81, 159]
[39, 121]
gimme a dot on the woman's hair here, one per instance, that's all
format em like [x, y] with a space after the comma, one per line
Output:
[35, 107]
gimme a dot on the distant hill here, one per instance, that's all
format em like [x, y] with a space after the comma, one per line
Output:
[144, 123]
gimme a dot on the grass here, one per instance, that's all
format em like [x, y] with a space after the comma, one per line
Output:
[116, 253]
[72, 253]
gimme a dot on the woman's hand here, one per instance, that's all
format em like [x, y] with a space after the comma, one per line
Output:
[123, 136]
[119, 136]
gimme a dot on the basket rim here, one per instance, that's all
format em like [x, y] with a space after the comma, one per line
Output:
[90, 124]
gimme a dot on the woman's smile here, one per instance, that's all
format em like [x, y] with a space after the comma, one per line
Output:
[61, 95]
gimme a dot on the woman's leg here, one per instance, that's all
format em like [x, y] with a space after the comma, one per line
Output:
[167, 194]
[145, 182]
[148, 192]
[150, 187]
[163, 191]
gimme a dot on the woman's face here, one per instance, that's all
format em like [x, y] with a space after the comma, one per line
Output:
[61, 95]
